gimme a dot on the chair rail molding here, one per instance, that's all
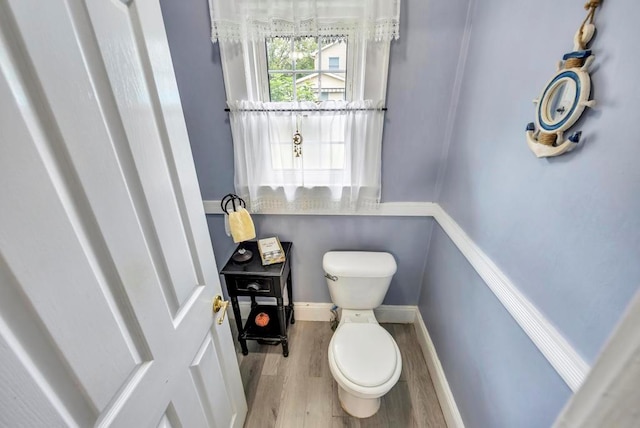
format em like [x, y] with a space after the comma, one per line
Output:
[556, 349]
[389, 209]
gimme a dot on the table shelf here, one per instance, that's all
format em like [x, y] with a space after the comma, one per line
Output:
[252, 331]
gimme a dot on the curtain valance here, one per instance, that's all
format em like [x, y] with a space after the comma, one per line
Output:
[254, 20]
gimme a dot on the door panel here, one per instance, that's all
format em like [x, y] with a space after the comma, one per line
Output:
[203, 368]
[104, 248]
[33, 406]
[170, 418]
[128, 62]
[64, 302]
[34, 379]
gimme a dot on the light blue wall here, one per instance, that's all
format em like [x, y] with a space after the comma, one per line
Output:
[405, 237]
[196, 62]
[497, 375]
[422, 62]
[422, 69]
[566, 231]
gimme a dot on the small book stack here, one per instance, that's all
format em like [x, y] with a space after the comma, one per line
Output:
[271, 251]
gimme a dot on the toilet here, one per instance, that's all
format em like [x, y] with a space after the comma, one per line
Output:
[363, 357]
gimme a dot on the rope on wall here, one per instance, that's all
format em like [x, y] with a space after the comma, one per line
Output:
[591, 6]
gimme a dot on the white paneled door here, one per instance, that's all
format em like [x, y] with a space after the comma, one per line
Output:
[106, 269]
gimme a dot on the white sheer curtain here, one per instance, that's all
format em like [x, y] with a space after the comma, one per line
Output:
[339, 168]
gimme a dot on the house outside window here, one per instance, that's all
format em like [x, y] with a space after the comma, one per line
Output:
[306, 69]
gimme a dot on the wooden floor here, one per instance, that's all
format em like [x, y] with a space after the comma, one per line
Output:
[299, 391]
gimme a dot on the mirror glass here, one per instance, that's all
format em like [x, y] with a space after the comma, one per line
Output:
[559, 101]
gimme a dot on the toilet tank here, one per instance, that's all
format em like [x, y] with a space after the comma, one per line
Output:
[358, 279]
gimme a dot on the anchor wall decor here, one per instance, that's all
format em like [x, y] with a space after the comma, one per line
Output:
[565, 96]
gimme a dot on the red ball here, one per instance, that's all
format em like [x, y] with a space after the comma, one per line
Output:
[262, 319]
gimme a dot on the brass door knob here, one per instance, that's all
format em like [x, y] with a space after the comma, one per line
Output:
[218, 305]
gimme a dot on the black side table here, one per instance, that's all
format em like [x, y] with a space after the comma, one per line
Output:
[255, 280]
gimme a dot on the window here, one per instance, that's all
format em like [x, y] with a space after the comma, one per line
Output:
[296, 72]
[324, 78]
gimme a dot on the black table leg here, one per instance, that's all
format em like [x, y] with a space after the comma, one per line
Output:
[237, 315]
[289, 293]
[283, 326]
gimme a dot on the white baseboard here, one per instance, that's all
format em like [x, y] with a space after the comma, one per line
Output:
[396, 314]
[303, 311]
[445, 396]
[310, 311]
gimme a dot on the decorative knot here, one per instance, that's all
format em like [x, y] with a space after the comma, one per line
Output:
[592, 4]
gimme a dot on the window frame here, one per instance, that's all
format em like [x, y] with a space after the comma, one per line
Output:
[254, 59]
[245, 74]
[270, 169]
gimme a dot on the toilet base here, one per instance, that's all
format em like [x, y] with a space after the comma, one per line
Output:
[356, 406]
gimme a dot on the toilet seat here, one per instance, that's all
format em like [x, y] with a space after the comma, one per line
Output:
[365, 354]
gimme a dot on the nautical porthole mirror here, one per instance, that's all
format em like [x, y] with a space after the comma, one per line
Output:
[565, 97]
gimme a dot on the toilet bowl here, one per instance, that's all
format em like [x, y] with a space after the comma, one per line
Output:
[364, 359]
[365, 362]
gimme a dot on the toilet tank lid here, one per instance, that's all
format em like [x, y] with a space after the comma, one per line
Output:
[367, 264]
